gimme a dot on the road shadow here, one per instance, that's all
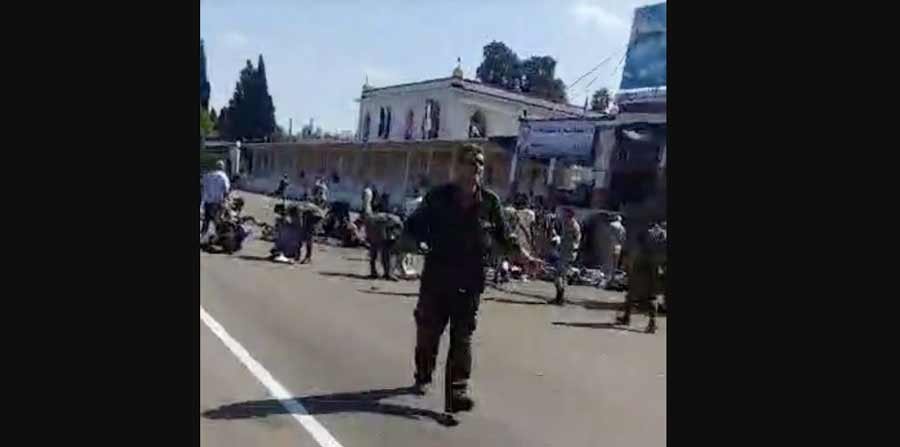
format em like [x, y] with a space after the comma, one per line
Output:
[352, 402]
[352, 258]
[212, 249]
[346, 275]
[256, 258]
[544, 300]
[512, 301]
[610, 326]
[597, 305]
[380, 292]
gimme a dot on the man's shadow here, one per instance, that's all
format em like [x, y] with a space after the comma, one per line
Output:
[379, 292]
[541, 300]
[346, 275]
[610, 326]
[353, 402]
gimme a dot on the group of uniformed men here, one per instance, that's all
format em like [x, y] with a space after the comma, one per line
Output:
[461, 223]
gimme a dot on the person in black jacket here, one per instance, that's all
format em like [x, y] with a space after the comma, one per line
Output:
[459, 222]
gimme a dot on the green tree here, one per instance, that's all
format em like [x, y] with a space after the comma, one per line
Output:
[222, 120]
[600, 100]
[264, 116]
[212, 115]
[539, 79]
[500, 66]
[250, 113]
[279, 135]
[204, 82]
[206, 123]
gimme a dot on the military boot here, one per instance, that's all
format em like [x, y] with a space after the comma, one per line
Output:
[459, 400]
[559, 300]
[624, 319]
[421, 387]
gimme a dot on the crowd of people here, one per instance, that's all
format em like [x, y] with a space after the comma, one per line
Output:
[460, 227]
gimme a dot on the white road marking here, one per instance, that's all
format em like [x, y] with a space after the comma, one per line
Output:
[294, 407]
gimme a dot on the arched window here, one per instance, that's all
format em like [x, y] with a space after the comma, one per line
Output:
[435, 119]
[384, 123]
[410, 124]
[431, 122]
[477, 125]
[367, 123]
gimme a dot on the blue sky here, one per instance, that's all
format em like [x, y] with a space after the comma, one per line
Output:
[318, 52]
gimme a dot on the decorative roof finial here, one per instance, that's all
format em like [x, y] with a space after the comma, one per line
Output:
[457, 72]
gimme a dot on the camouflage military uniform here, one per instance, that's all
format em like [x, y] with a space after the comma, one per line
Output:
[459, 241]
[382, 231]
[570, 240]
[312, 219]
[644, 281]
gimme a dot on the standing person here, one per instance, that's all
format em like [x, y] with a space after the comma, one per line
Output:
[320, 192]
[648, 255]
[281, 191]
[615, 239]
[382, 231]
[568, 249]
[215, 190]
[312, 217]
[457, 221]
[386, 230]
[368, 196]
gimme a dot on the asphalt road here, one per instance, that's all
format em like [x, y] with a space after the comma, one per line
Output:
[336, 349]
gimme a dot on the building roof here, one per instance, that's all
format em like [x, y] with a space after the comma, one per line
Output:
[380, 146]
[475, 86]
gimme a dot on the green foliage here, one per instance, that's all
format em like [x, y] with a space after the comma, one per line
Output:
[501, 67]
[204, 82]
[250, 114]
[539, 79]
[206, 123]
[600, 100]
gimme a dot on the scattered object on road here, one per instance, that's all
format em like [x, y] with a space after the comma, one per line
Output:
[619, 282]
[282, 259]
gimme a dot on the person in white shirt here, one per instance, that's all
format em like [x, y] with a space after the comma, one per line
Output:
[615, 236]
[215, 190]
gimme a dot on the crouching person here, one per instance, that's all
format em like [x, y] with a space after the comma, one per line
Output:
[288, 236]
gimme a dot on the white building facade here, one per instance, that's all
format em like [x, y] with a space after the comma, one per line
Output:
[452, 108]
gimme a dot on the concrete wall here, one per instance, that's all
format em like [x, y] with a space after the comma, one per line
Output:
[429, 164]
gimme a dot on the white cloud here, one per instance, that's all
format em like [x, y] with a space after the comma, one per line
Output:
[235, 39]
[593, 13]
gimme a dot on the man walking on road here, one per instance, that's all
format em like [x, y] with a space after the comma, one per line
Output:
[570, 240]
[215, 189]
[457, 221]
